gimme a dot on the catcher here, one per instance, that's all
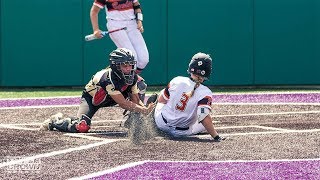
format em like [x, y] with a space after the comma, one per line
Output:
[108, 87]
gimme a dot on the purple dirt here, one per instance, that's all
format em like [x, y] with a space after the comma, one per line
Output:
[238, 98]
[39, 102]
[268, 98]
[220, 170]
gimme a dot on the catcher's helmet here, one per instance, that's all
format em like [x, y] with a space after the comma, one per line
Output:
[123, 56]
[201, 64]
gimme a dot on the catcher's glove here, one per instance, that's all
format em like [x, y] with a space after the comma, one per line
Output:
[152, 99]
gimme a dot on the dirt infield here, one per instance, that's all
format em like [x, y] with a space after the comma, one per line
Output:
[256, 131]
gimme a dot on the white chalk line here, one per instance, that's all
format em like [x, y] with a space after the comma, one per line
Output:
[87, 136]
[269, 114]
[214, 94]
[219, 103]
[271, 128]
[38, 107]
[45, 155]
[32, 98]
[8, 126]
[113, 140]
[274, 131]
[133, 164]
[266, 92]
[39, 123]
[118, 168]
[252, 126]
[264, 133]
[265, 103]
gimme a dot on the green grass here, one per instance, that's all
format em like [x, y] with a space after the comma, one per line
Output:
[53, 91]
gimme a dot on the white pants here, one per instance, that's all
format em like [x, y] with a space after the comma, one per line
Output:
[131, 39]
[193, 129]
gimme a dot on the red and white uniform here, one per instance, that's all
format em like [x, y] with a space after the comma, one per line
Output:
[120, 13]
[178, 116]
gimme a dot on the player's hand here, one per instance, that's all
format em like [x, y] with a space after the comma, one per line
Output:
[98, 34]
[149, 108]
[140, 26]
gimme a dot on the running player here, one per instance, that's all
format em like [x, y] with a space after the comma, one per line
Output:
[184, 106]
[124, 13]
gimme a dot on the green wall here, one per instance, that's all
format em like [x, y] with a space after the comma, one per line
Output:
[287, 42]
[253, 42]
[41, 43]
[220, 28]
[96, 52]
[1, 43]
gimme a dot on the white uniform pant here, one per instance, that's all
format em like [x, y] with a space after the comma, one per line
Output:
[131, 39]
[193, 129]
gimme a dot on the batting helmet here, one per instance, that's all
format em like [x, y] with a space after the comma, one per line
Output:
[201, 64]
[123, 56]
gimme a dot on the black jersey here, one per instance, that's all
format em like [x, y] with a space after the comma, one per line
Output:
[112, 84]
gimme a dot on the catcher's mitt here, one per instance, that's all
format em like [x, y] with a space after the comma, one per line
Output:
[152, 99]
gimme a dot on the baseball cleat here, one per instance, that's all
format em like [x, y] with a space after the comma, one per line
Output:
[46, 125]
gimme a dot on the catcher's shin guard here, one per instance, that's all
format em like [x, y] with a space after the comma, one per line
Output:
[142, 86]
[83, 125]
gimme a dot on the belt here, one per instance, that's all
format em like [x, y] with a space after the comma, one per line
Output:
[177, 128]
[122, 19]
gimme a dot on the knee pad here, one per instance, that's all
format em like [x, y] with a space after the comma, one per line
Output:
[83, 125]
[142, 86]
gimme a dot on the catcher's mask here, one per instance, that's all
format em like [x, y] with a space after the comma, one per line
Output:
[201, 64]
[123, 56]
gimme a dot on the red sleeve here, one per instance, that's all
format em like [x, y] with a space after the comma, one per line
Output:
[206, 101]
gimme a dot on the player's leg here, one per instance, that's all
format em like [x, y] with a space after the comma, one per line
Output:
[205, 126]
[81, 123]
[158, 118]
[86, 107]
[142, 86]
[142, 54]
[121, 39]
[139, 46]
[73, 125]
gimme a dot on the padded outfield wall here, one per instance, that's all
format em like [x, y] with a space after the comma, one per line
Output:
[253, 42]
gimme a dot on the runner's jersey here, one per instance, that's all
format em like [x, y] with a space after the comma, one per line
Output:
[181, 110]
[117, 9]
